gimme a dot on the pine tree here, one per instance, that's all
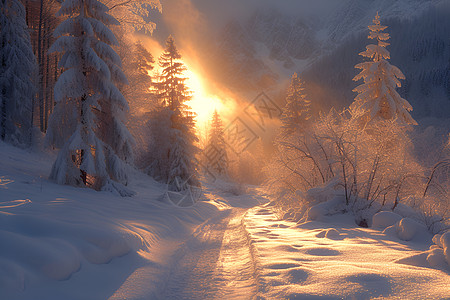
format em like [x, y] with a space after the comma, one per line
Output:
[377, 97]
[140, 81]
[138, 93]
[215, 151]
[171, 89]
[18, 66]
[155, 159]
[297, 111]
[142, 63]
[173, 94]
[89, 106]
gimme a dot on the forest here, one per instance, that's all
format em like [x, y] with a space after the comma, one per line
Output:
[119, 151]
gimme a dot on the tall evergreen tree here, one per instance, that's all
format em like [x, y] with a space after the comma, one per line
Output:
[297, 110]
[17, 67]
[173, 93]
[377, 97]
[171, 89]
[215, 151]
[140, 80]
[142, 63]
[89, 106]
[138, 93]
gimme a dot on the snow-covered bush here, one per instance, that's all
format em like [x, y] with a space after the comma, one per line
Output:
[372, 167]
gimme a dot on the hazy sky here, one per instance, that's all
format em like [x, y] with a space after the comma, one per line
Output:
[201, 16]
[220, 10]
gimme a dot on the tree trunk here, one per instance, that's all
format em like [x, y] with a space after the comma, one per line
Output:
[83, 174]
[47, 77]
[41, 68]
[3, 95]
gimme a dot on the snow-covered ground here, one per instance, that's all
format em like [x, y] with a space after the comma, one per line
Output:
[60, 242]
[334, 259]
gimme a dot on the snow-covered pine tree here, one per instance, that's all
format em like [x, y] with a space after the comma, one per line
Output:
[155, 159]
[172, 93]
[183, 169]
[297, 111]
[377, 97]
[87, 120]
[17, 68]
[215, 151]
[141, 64]
[171, 88]
[140, 98]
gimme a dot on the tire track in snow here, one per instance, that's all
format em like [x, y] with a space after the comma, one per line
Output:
[215, 263]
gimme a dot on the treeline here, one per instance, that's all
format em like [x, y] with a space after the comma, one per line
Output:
[41, 20]
[72, 70]
[362, 157]
[421, 50]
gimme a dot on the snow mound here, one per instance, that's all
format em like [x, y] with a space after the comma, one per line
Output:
[436, 257]
[445, 242]
[407, 229]
[439, 254]
[330, 233]
[384, 219]
[330, 207]
[321, 194]
[117, 189]
[56, 249]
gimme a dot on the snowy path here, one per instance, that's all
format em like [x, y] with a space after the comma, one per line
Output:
[245, 252]
[215, 263]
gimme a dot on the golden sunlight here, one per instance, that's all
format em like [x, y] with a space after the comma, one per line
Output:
[203, 103]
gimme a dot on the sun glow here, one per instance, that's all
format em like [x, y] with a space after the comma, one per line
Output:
[203, 102]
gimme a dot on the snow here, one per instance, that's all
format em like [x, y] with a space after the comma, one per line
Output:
[439, 254]
[384, 219]
[407, 229]
[61, 242]
[445, 242]
[334, 259]
[319, 211]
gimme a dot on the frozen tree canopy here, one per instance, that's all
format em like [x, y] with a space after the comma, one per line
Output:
[377, 97]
